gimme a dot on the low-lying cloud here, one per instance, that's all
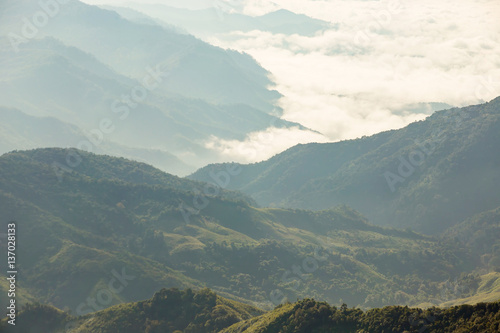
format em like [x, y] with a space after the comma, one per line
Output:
[361, 77]
[366, 74]
[259, 146]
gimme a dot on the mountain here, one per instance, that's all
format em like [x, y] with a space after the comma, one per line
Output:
[481, 234]
[284, 21]
[85, 220]
[223, 18]
[156, 95]
[169, 310]
[50, 79]
[21, 131]
[191, 67]
[428, 176]
[488, 290]
[317, 317]
[75, 225]
[172, 310]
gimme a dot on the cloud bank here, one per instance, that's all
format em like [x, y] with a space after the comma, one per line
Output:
[385, 55]
[366, 74]
[262, 145]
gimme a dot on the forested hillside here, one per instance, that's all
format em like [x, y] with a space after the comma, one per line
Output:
[161, 101]
[174, 311]
[370, 201]
[428, 176]
[83, 224]
[309, 316]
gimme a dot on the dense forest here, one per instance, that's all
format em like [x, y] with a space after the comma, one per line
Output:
[175, 311]
[249, 166]
[107, 215]
[309, 316]
[427, 176]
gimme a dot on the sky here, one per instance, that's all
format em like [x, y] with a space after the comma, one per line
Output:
[369, 72]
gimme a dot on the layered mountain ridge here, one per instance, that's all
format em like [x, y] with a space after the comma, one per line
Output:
[81, 222]
[427, 176]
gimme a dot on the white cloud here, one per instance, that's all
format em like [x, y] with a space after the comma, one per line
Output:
[356, 79]
[262, 145]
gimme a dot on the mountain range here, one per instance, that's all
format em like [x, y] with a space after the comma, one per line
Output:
[222, 18]
[154, 104]
[82, 225]
[172, 310]
[428, 176]
[127, 221]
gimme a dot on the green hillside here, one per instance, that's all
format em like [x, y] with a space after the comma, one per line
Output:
[169, 310]
[481, 234]
[81, 227]
[309, 316]
[21, 131]
[487, 291]
[77, 91]
[174, 311]
[427, 176]
[161, 101]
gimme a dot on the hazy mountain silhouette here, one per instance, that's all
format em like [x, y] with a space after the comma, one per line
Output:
[221, 18]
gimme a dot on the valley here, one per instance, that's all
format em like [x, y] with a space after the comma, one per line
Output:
[249, 166]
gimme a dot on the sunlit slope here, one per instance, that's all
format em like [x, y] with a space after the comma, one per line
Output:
[428, 176]
[106, 214]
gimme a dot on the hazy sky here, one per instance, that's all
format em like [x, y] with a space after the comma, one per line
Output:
[361, 78]
[190, 4]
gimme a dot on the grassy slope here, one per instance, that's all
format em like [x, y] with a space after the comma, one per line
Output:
[315, 317]
[108, 214]
[488, 291]
[172, 310]
[168, 310]
[457, 178]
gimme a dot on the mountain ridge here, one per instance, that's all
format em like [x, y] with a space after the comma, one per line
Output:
[374, 174]
[173, 310]
[110, 213]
